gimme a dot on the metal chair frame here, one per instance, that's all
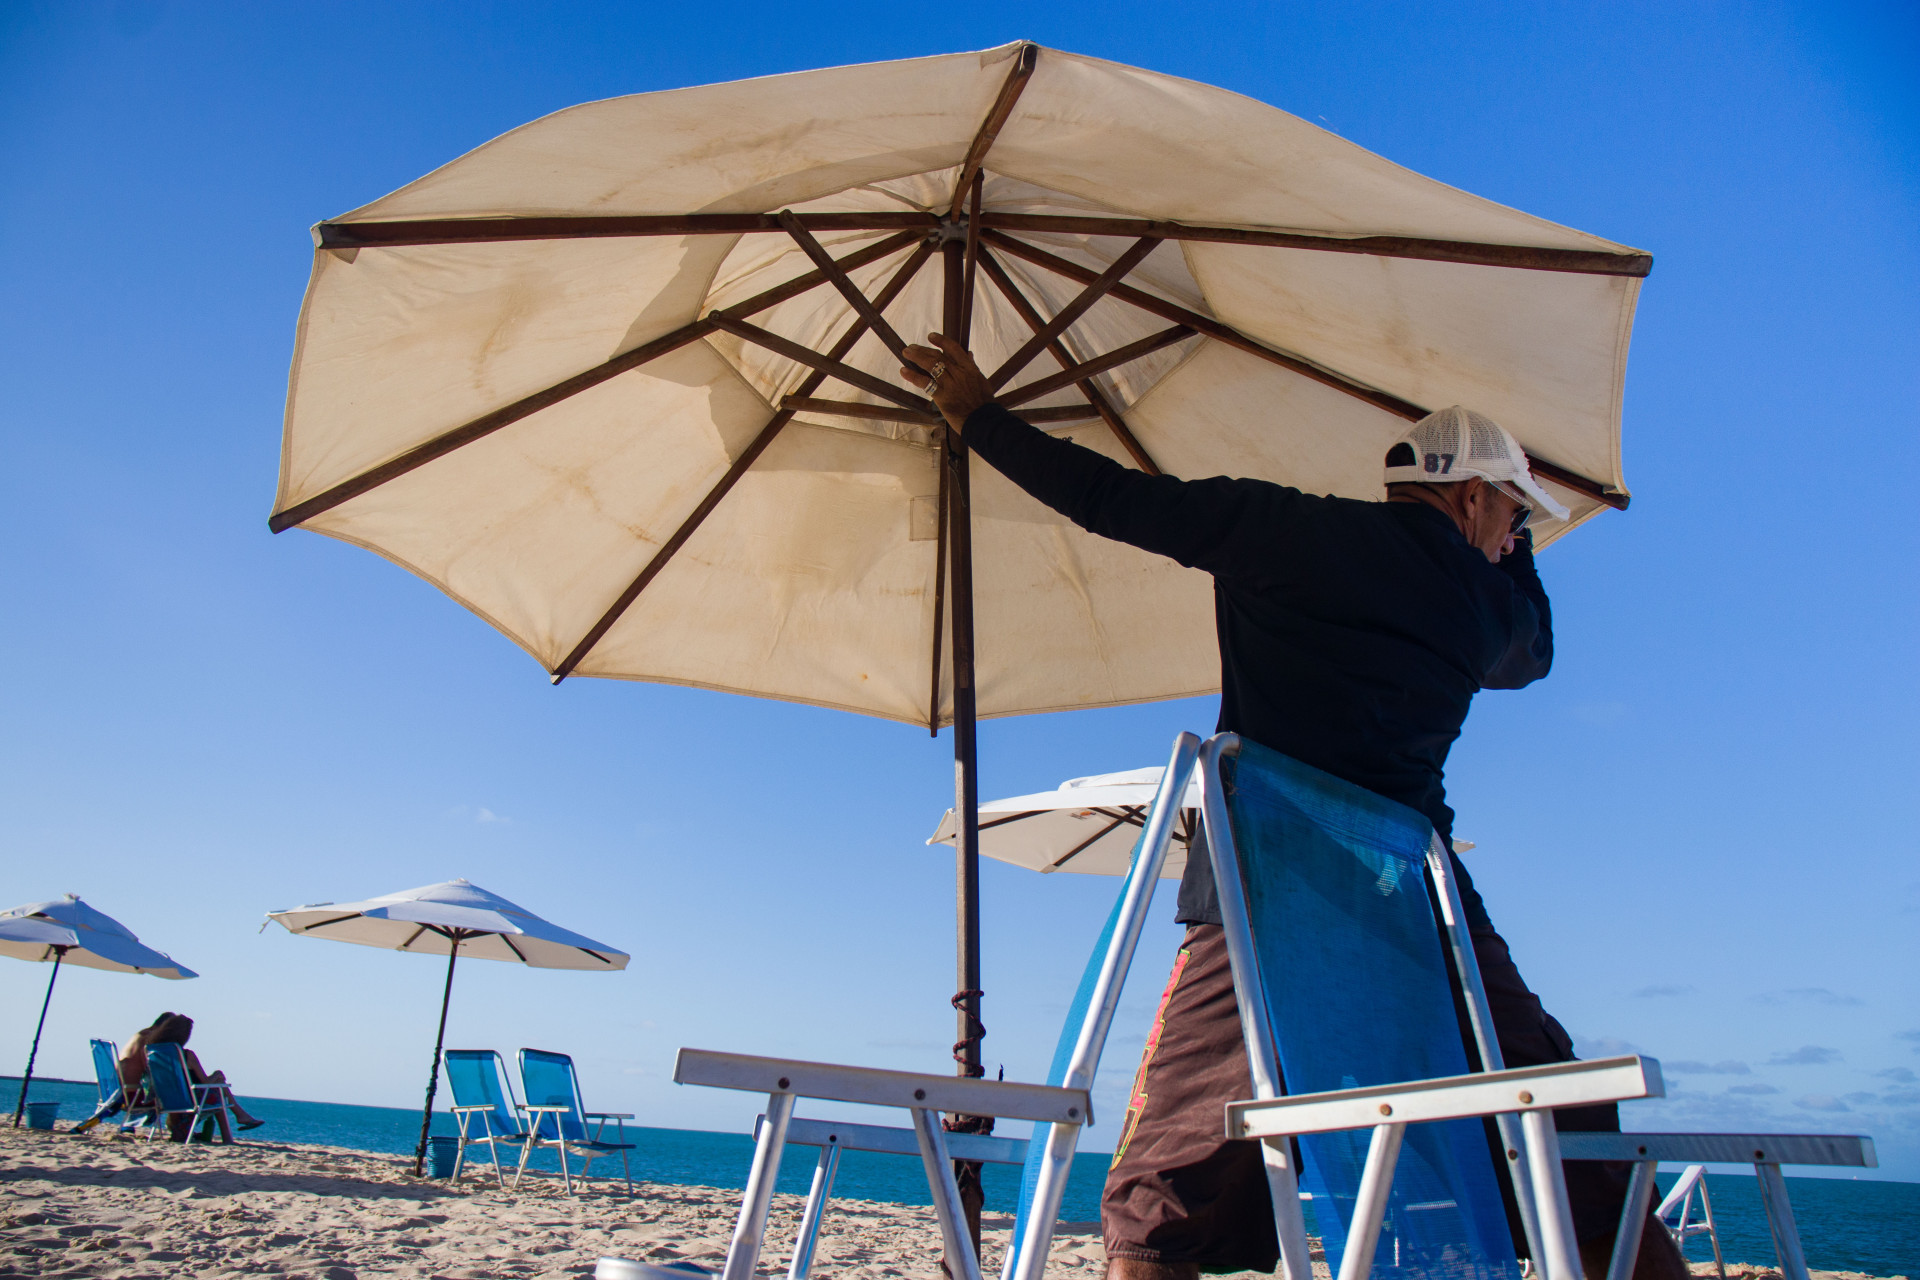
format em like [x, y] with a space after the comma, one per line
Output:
[588, 1148]
[1026, 1257]
[1520, 1100]
[206, 1099]
[464, 1114]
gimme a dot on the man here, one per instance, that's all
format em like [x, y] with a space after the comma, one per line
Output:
[1353, 636]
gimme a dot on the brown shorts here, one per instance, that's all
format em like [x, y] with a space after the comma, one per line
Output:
[1178, 1189]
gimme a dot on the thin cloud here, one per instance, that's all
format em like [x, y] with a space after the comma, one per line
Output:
[1821, 1102]
[1807, 1055]
[1660, 990]
[1911, 1037]
[1755, 1090]
[1727, 1068]
[1605, 1047]
[1809, 995]
[1899, 1075]
[488, 815]
[1901, 1097]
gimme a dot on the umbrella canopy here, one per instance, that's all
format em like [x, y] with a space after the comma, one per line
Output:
[1085, 825]
[451, 919]
[91, 938]
[434, 919]
[532, 375]
[623, 381]
[68, 931]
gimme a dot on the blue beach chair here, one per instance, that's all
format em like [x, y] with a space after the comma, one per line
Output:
[1060, 1108]
[483, 1106]
[1327, 892]
[174, 1093]
[552, 1090]
[113, 1095]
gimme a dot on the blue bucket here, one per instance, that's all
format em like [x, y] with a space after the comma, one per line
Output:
[441, 1153]
[41, 1115]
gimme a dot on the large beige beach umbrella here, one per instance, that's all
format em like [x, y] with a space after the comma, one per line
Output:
[622, 381]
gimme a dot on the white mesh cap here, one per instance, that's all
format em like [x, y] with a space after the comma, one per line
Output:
[1456, 444]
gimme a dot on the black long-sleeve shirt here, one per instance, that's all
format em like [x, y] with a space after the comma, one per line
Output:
[1353, 635]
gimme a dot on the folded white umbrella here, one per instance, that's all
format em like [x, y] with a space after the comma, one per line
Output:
[451, 919]
[68, 931]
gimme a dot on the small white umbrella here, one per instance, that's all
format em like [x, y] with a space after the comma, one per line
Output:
[1085, 825]
[68, 931]
[452, 919]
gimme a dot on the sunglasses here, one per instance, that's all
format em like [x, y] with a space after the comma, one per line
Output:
[1525, 511]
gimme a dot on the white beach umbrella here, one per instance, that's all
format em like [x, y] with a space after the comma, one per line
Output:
[68, 931]
[623, 380]
[1085, 826]
[452, 919]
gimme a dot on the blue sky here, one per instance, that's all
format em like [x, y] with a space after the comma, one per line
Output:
[1696, 834]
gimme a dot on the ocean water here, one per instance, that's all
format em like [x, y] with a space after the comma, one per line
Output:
[1845, 1224]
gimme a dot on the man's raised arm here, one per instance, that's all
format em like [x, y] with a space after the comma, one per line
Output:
[1203, 524]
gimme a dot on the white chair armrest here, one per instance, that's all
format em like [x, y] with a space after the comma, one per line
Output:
[609, 1115]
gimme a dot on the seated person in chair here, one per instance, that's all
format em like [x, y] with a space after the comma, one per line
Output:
[176, 1030]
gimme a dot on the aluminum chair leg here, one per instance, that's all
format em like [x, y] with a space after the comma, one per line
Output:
[1027, 1257]
[1633, 1220]
[946, 1193]
[815, 1213]
[1283, 1187]
[1786, 1235]
[1558, 1244]
[1370, 1206]
[744, 1253]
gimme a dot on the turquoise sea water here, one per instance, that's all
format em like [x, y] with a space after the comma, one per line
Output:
[1845, 1225]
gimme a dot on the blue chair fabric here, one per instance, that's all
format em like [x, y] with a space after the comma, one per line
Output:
[548, 1079]
[483, 1105]
[174, 1092]
[1358, 994]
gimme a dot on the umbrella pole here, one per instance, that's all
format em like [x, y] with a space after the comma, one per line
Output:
[59, 954]
[433, 1079]
[966, 760]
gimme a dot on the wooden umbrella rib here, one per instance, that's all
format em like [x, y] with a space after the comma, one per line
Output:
[969, 270]
[1024, 60]
[882, 413]
[1086, 844]
[321, 924]
[1231, 337]
[421, 231]
[859, 409]
[862, 307]
[833, 368]
[518, 954]
[526, 406]
[1601, 262]
[1014, 817]
[1098, 364]
[1096, 398]
[1095, 290]
[1212, 328]
[698, 515]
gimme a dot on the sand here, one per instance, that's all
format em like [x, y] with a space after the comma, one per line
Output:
[101, 1205]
